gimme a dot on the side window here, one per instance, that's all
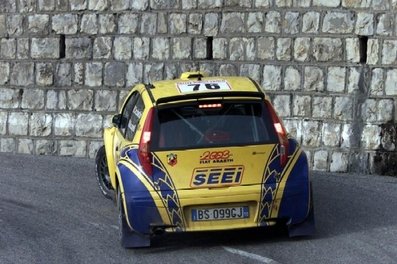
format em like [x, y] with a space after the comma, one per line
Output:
[135, 117]
[126, 113]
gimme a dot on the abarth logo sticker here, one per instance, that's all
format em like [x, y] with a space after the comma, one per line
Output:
[221, 156]
[172, 159]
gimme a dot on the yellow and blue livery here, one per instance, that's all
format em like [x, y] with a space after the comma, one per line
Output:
[202, 153]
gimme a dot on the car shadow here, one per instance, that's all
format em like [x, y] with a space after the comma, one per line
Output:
[178, 241]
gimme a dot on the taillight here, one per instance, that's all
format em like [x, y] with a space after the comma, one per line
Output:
[281, 133]
[144, 154]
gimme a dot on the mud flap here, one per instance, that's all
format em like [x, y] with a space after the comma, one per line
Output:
[135, 240]
[307, 227]
[128, 237]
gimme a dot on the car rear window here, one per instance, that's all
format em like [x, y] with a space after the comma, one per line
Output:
[212, 124]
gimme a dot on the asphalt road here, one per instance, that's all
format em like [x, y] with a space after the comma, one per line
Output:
[51, 211]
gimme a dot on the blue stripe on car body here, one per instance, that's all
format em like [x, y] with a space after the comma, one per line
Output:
[162, 184]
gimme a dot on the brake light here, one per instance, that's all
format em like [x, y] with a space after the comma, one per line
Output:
[144, 155]
[210, 106]
[281, 133]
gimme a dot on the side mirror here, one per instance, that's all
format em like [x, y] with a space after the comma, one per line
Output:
[116, 120]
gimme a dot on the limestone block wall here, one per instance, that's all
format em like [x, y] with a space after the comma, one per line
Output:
[330, 67]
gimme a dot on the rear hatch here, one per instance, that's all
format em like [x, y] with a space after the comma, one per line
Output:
[216, 167]
[213, 143]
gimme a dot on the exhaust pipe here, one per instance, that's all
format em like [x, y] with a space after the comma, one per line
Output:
[159, 229]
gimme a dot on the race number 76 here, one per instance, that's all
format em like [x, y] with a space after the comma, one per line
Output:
[209, 86]
[202, 86]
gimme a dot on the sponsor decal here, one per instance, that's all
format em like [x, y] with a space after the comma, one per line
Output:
[203, 86]
[259, 152]
[221, 156]
[137, 112]
[217, 176]
[131, 126]
[172, 159]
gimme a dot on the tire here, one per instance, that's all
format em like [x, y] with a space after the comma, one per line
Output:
[102, 173]
[129, 238]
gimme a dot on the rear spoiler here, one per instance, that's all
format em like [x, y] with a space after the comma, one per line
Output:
[193, 96]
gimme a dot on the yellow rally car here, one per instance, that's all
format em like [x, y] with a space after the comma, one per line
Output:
[202, 153]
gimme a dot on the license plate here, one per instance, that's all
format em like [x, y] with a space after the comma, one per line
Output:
[224, 213]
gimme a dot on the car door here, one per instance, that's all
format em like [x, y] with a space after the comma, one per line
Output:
[122, 126]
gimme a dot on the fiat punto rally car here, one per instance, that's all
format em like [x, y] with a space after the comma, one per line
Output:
[199, 154]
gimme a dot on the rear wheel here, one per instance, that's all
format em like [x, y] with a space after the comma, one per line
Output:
[102, 173]
[128, 237]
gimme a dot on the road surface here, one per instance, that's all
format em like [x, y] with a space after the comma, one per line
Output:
[51, 211]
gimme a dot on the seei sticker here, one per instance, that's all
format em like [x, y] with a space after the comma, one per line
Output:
[217, 176]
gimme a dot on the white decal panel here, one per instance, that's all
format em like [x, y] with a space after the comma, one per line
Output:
[203, 86]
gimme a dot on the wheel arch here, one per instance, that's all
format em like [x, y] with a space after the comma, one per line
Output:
[108, 134]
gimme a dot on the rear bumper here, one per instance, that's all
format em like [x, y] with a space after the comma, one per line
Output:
[175, 213]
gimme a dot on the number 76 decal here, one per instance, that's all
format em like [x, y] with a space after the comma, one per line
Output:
[188, 87]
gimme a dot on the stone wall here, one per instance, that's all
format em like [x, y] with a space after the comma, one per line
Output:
[330, 67]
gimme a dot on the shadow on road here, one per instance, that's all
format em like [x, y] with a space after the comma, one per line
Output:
[180, 241]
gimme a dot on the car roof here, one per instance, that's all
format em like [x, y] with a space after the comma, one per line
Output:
[196, 85]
